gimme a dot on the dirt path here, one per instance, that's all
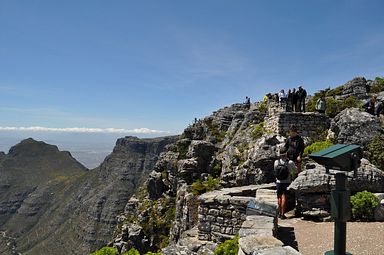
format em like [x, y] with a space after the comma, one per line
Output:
[315, 238]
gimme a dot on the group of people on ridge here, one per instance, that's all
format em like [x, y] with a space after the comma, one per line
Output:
[293, 100]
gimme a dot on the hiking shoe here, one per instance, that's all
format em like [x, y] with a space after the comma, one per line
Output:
[283, 217]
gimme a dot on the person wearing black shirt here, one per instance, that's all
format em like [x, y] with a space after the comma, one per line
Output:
[294, 100]
[370, 105]
[295, 147]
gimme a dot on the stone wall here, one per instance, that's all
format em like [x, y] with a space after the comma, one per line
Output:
[222, 213]
[308, 124]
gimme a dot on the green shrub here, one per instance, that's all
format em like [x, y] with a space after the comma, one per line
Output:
[153, 253]
[132, 251]
[376, 151]
[199, 187]
[216, 168]
[106, 251]
[263, 107]
[378, 85]
[335, 92]
[317, 146]
[229, 247]
[363, 205]
[258, 130]
[335, 106]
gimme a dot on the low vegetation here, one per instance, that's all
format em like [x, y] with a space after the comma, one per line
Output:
[229, 247]
[215, 131]
[258, 130]
[363, 206]
[200, 187]
[132, 251]
[106, 251]
[378, 85]
[335, 106]
[317, 146]
[216, 168]
[376, 151]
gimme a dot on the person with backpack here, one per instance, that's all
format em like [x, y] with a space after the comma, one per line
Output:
[284, 170]
[295, 147]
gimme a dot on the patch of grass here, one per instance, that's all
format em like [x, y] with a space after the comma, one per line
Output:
[363, 205]
[200, 187]
[229, 247]
[317, 146]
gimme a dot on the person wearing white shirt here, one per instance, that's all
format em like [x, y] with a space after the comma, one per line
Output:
[285, 170]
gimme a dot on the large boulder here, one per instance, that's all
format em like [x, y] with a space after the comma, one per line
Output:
[355, 127]
[313, 186]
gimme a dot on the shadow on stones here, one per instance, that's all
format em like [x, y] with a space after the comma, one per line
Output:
[287, 236]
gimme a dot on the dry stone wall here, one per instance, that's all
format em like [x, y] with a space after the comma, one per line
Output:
[222, 213]
[308, 124]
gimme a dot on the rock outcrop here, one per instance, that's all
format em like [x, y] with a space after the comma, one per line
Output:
[356, 87]
[313, 186]
[355, 127]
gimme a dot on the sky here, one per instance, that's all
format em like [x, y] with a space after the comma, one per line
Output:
[149, 68]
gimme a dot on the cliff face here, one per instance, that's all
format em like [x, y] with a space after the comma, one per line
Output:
[66, 209]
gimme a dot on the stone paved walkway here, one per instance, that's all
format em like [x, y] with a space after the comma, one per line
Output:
[315, 238]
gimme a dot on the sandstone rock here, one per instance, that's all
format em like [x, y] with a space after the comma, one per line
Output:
[356, 87]
[177, 250]
[286, 250]
[155, 185]
[251, 243]
[352, 126]
[313, 186]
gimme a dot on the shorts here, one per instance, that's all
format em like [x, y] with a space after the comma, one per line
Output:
[281, 188]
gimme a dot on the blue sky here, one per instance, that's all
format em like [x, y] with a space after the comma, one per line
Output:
[158, 64]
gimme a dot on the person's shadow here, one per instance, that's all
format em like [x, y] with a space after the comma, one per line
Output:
[287, 236]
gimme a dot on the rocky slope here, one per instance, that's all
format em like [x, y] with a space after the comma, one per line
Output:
[67, 209]
[234, 146]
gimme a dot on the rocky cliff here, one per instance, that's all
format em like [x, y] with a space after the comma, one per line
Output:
[53, 205]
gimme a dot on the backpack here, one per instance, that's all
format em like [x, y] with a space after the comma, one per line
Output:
[282, 171]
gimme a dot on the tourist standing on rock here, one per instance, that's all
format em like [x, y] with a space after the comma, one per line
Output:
[295, 147]
[321, 104]
[294, 100]
[282, 97]
[370, 105]
[301, 96]
[247, 102]
[289, 101]
[284, 170]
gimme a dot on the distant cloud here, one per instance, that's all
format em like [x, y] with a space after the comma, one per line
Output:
[87, 130]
